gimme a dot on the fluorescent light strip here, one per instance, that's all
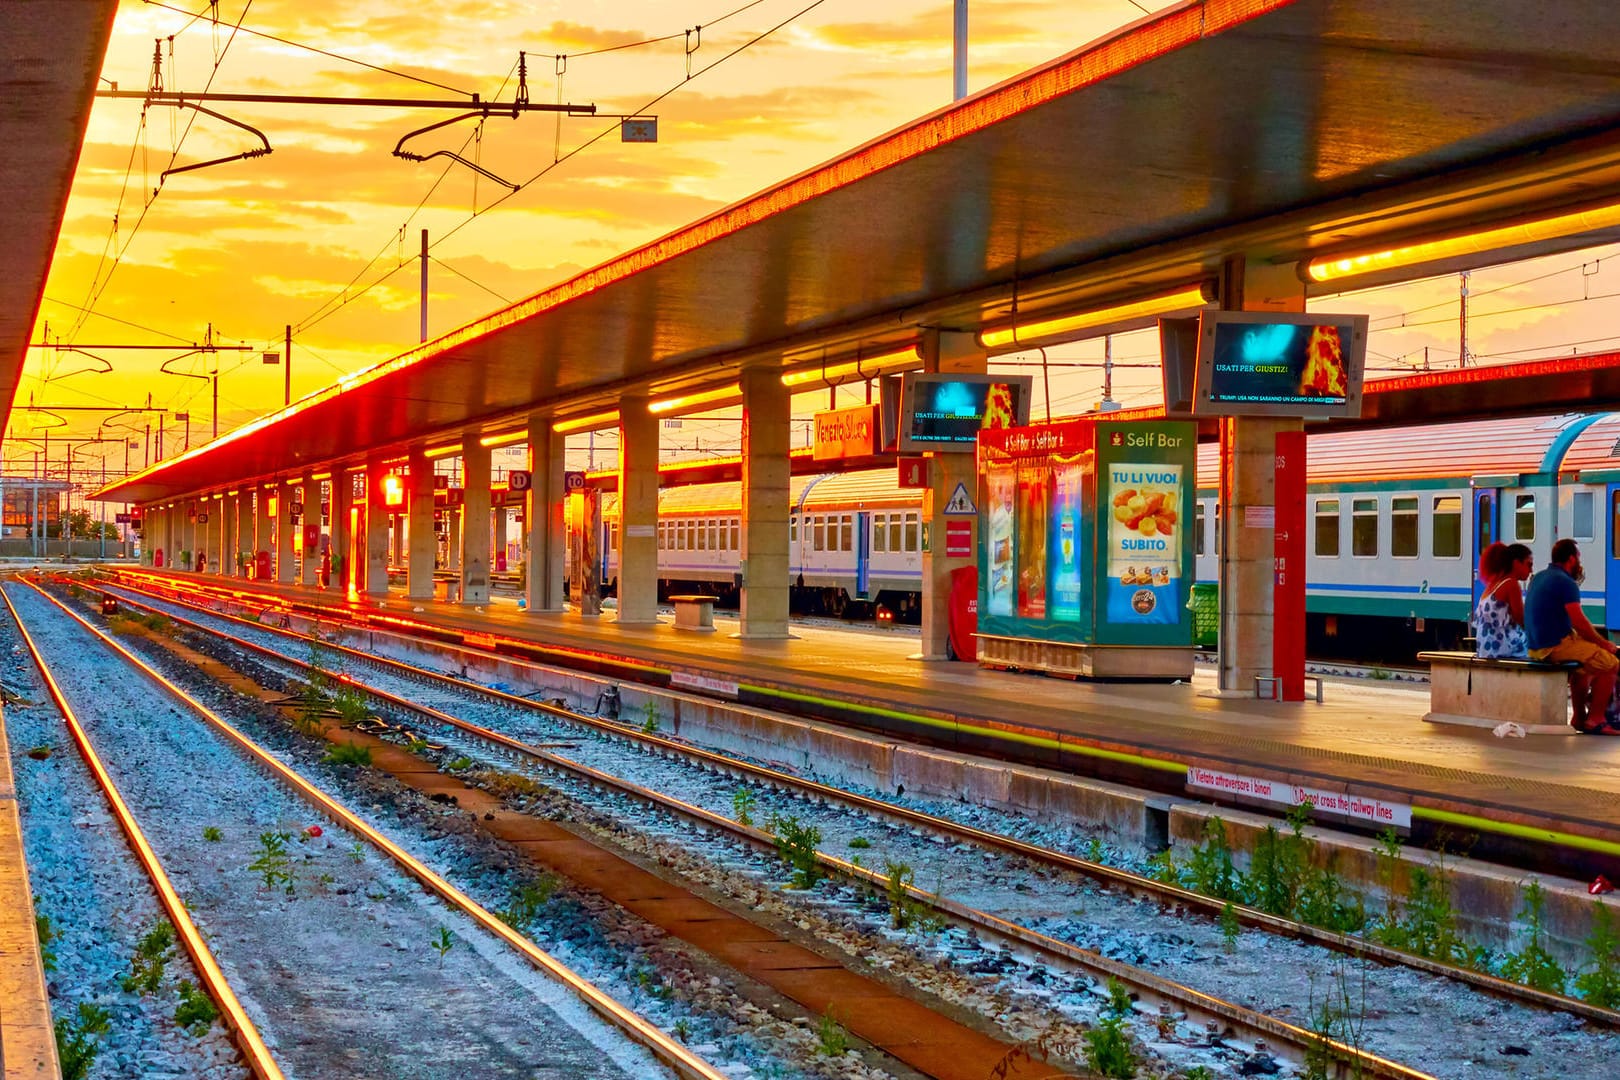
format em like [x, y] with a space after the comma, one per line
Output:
[702, 397]
[1473, 243]
[593, 422]
[865, 367]
[442, 451]
[1189, 297]
[503, 439]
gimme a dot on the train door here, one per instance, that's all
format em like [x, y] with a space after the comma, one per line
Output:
[1487, 527]
[863, 555]
[1611, 566]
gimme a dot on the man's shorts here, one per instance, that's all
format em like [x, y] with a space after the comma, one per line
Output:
[1593, 658]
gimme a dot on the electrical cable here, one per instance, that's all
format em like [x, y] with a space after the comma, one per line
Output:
[313, 49]
[311, 321]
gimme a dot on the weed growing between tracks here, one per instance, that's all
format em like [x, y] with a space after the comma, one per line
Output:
[195, 1013]
[1534, 965]
[796, 843]
[151, 957]
[1601, 984]
[78, 1039]
[1339, 1017]
[274, 865]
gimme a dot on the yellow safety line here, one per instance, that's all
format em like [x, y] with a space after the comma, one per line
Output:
[247, 1035]
[666, 1049]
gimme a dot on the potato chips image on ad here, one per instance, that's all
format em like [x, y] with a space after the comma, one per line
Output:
[1144, 542]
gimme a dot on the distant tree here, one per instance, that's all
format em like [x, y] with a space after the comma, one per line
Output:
[81, 526]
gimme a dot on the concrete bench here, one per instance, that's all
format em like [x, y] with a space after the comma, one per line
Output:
[1464, 689]
[694, 612]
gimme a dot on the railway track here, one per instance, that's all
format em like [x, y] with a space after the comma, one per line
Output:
[296, 940]
[1171, 997]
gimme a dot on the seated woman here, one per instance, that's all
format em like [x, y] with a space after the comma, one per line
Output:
[1499, 618]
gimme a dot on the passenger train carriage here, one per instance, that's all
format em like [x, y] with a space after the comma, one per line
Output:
[1396, 521]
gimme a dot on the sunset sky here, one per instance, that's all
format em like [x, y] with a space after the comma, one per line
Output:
[322, 234]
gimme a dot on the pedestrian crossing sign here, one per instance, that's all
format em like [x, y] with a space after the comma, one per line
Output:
[961, 503]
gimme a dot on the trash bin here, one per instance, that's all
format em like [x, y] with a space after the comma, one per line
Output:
[1206, 610]
[447, 589]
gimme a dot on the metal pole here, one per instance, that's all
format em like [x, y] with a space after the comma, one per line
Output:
[160, 438]
[101, 532]
[215, 381]
[960, 51]
[1462, 324]
[424, 284]
[286, 369]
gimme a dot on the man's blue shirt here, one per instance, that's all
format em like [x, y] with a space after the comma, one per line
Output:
[1546, 618]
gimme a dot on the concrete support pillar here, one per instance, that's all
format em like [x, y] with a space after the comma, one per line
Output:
[243, 544]
[452, 537]
[958, 352]
[219, 535]
[766, 479]
[188, 537]
[474, 540]
[638, 512]
[285, 493]
[374, 581]
[543, 518]
[419, 538]
[261, 520]
[1248, 478]
[342, 532]
[498, 540]
[310, 563]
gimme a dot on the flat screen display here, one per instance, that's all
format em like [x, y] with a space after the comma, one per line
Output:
[1272, 364]
[946, 412]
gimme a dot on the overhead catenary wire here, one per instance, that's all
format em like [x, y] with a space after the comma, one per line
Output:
[310, 321]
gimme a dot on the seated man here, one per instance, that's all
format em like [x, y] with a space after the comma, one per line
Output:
[1557, 630]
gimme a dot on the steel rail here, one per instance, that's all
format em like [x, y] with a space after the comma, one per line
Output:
[1135, 884]
[1157, 988]
[241, 1026]
[662, 1046]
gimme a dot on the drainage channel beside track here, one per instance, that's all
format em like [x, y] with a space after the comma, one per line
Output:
[1555, 1013]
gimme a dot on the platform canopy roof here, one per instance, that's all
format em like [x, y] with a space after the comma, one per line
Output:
[50, 57]
[1276, 130]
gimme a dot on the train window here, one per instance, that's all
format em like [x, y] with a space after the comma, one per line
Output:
[736, 534]
[1364, 528]
[1403, 526]
[912, 543]
[896, 526]
[662, 533]
[1198, 528]
[1327, 528]
[714, 536]
[1581, 511]
[1217, 529]
[704, 535]
[1446, 529]
[820, 533]
[846, 533]
[793, 528]
[880, 532]
[1524, 517]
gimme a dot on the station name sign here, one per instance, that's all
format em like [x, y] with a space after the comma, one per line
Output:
[846, 433]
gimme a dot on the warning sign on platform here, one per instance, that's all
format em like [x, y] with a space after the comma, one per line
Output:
[961, 503]
[958, 539]
[1342, 804]
[708, 684]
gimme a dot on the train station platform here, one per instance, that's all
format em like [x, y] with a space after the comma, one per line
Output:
[1364, 747]
[27, 1040]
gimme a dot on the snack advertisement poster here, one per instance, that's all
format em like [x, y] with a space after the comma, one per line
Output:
[1141, 511]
